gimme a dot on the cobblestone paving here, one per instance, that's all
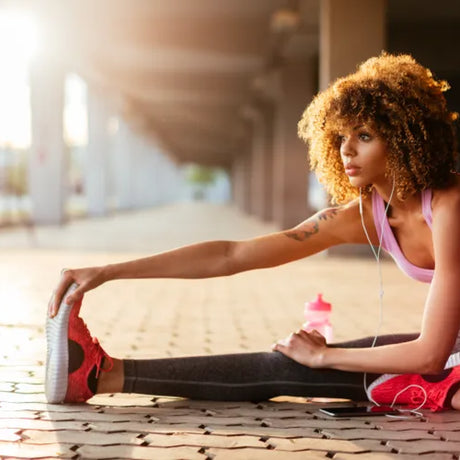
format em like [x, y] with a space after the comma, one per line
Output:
[160, 318]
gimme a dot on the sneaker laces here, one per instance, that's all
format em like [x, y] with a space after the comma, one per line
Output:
[429, 398]
[101, 355]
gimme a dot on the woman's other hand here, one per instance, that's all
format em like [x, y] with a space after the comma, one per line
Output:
[307, 348]
[85, 279]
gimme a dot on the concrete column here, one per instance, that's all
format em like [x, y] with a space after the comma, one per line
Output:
[139, 170]
[96, 178]
[172, 179]
[48, 162]
[351, 31]
[241, 180]
[237, 185]
[154, 174]
[149, 180]
[297, 85]
[123, 166]
[156, 179]
[262, 162]
[177, 178]
[166, 174]
[346, 40]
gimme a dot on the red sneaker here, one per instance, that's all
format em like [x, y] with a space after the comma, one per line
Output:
[74, 359]
[434, 391]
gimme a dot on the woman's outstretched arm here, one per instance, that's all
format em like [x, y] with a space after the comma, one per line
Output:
[326, 228]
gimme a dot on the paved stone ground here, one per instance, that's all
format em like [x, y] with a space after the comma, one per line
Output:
[155, 318]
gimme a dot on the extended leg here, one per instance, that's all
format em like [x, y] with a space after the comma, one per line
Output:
[83, 369]
[246, 376]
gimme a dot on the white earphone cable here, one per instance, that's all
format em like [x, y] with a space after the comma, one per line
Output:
[376, 254]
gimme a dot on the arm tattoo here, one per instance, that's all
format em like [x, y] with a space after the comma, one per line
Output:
[302, 235]
[327, 214]
[313, 228]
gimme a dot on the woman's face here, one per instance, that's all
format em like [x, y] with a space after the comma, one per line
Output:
[364, 155]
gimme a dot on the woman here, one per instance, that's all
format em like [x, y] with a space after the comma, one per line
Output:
[382, 141]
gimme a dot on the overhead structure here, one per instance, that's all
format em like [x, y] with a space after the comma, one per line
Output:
[223, 82]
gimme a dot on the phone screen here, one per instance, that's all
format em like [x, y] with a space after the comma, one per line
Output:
[361, 411]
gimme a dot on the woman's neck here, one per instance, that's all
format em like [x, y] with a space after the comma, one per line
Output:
[387, 192]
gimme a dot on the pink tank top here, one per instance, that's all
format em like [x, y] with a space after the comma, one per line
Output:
[389, 242]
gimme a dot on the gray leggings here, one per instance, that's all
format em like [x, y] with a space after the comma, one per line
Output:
[248, 376]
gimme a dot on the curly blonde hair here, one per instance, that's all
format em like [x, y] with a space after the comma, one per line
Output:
[402, 101]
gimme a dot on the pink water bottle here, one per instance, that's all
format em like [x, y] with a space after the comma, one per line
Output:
[317, 315]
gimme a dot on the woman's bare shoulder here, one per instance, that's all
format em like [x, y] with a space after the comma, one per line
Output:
[447, 197]
[347, 223]
[446, 228]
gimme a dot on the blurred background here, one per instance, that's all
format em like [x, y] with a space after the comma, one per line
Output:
[129, 127]
[108, 106]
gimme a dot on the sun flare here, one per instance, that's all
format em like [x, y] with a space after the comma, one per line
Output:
[19, 42]
[18, 38]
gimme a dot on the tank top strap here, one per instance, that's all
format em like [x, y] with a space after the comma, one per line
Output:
[389, 242]
[380, 219]
[426, 206]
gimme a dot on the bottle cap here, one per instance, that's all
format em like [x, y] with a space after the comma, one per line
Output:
[318, 305]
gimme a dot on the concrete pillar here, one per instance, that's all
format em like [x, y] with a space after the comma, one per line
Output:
[96, 178]
[351, 31]
[297, 85]
[154, 175]
[172, 179]
[149, 178]
[139, 170]
[48, 163]
[176, 192]
[237, 184]
[166, 174]
[261, 182]
[155, 178]
[123, 167]
[241, 180]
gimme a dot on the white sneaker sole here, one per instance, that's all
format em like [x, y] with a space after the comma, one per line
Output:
[57, 352]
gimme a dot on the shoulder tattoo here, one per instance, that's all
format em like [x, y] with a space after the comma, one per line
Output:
[327, 214]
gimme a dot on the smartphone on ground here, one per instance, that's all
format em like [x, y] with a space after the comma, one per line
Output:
[358, 411]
